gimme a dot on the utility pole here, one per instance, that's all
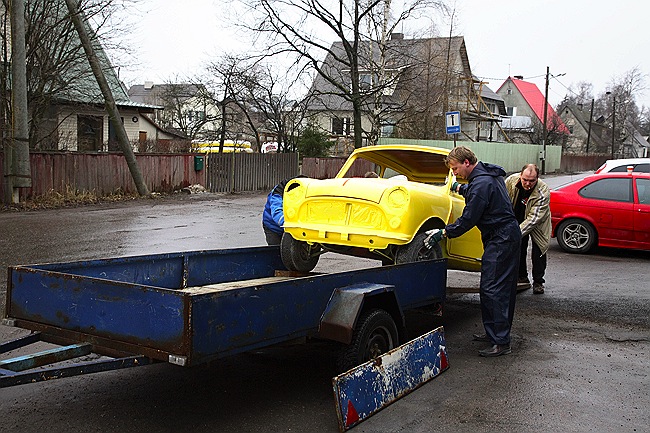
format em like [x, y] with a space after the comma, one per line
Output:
[613, 122]
[109, 101]
[17, 171]
[544, 136]
[591, 119]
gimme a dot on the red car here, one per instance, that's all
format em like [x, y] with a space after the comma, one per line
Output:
[608, 210]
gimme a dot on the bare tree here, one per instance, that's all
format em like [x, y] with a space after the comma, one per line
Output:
[556, 134]
[227, 81]
[266, 95]
[56, 65]
[189, 110]
[580, 93]
[615, 106]
[81, 27]
[303, 27]
[620, 108]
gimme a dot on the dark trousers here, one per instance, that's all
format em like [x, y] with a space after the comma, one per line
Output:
[272, 238]
[537, 258]
[498, 287]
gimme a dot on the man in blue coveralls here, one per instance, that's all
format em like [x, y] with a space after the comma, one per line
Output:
[488, 207]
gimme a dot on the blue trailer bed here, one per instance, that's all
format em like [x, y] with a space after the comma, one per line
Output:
[188, 308]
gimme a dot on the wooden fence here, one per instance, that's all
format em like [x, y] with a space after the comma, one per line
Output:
[577, 163]
[106, 173]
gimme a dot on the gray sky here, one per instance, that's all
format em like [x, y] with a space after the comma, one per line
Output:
[587, 40]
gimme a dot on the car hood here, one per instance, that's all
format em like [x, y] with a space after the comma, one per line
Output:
[371, 189]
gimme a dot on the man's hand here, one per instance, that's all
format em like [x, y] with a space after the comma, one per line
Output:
[433, 237]
[455, 187]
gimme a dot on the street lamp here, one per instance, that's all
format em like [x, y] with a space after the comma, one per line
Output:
[591, 119]
[613, 119]
[544, 130]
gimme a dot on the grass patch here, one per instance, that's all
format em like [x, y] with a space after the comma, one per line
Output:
[70, 198]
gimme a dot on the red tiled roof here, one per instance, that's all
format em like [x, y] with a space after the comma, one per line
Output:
[535, 100]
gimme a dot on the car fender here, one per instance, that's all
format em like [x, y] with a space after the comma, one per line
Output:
[573, 215]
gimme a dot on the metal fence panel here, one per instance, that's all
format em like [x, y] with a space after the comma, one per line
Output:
[511, 156]
[237, 172]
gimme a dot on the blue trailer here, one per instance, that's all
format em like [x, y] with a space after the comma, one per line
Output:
[189, 308]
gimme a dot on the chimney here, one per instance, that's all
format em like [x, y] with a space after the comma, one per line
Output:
[519, 77]
[148, 85]
[396, 36]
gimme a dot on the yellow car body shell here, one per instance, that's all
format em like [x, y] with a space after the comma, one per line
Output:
[411, 194]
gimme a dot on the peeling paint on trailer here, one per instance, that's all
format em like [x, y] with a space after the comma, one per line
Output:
[363, 391]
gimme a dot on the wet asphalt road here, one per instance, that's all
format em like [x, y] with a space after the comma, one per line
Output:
[580, 361]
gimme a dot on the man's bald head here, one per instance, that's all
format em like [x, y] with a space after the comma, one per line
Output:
[529, 175]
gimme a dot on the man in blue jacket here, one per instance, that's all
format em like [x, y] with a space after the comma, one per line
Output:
[273, 215]
[488, 207]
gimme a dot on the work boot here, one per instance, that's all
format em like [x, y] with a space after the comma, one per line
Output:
[538, 288]
[523, 284]
[495, 350]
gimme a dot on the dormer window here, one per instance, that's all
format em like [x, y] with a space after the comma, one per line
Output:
[369, 81]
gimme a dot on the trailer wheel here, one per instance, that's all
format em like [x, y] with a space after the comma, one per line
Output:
[298, 255]
[415, 251]
[375, 333]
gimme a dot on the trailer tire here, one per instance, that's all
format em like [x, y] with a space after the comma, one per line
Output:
[297, 255]
[375, 333]
[415, 251]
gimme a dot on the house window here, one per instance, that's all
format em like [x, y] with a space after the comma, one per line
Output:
[387, 129]
[89, 133]
[341, 126]
[509, 91]
[511, 111]
[365, 81]
[113, 143]
[195, 116]
[369, 81]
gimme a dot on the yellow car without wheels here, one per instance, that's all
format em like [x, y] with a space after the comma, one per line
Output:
[378, 206]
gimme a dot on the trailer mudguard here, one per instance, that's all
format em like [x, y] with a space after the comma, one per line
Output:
[345, 306]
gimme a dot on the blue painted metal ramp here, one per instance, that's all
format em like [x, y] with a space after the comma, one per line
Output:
[368, 388]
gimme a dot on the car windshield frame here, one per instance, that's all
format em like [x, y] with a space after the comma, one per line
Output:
[418, 165]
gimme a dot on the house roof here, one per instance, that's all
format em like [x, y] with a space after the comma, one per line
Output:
[83, 87]
[582, 117]
[174, 134]
[158, 94]
[400, 53]
[536, 101]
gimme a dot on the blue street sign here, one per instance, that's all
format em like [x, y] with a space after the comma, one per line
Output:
[453, 122]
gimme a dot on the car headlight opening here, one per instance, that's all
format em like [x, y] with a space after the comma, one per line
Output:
[398, 198]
